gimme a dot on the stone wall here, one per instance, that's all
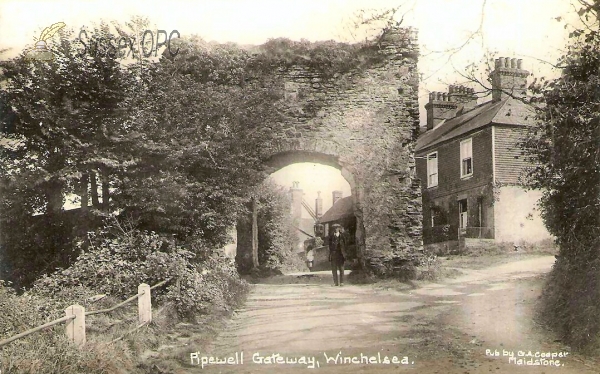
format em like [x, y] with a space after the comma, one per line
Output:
[365, 123]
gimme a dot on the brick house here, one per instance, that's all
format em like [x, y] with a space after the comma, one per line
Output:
[470, 165]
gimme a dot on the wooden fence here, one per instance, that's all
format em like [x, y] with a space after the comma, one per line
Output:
[75, 316]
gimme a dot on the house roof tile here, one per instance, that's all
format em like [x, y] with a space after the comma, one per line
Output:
[341, 209]
[508, 111]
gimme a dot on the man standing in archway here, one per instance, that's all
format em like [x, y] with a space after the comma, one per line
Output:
[337, 254]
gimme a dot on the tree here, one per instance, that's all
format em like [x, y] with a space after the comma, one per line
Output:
[67, 111]
[205, 118]
[174, 144]
[565, 148]
[276, 235]
[276, 251]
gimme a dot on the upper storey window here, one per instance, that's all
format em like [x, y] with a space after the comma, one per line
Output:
[466, 158]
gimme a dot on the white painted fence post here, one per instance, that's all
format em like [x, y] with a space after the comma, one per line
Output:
[75, 328]
[144, 303]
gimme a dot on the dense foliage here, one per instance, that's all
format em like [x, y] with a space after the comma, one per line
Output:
[174, 145]
[33, 245]
[115, 264]
[277, 237]
[328, 58]
[62, 116]
[566, 149]
[202, 120]
[565, 145]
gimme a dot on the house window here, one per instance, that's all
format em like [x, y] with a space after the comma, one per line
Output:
[432, 170]
[466, 158]
[462, 211]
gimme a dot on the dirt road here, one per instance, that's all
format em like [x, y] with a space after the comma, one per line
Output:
[470, 324]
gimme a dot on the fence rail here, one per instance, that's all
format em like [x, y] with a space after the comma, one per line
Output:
[438, 234]
[90, 313]
[444, 233]
[75, 316]
[476, 232]
[36, 329]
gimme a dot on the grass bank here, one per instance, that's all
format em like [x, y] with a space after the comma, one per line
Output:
[114, 343]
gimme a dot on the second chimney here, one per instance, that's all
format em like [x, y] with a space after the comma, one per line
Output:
[464, 96]
[439, 108]
[296, 194]
[508, 78]
[336, 195]
[319, 205]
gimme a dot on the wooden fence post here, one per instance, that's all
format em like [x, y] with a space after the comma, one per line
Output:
[144, 303]
[75, 328]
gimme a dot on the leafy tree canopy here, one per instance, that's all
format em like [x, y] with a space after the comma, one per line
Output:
[566, 145]
[566, 149]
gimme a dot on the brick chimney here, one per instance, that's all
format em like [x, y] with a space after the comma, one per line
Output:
[439, 108]
[336, 195]
[508, 78]
[464, 96]
[442, 105]
[319, 205]
[297, 194]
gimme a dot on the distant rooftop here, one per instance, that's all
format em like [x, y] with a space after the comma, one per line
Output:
[341, 209]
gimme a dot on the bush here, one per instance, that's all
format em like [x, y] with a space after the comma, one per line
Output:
[35, 245]
[570, 304]
[429, 268]
[116, 264]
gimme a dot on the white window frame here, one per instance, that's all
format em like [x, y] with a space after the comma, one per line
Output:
[466, 155]
[430, 182]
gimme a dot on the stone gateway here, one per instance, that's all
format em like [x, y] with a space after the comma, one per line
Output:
[365, 123]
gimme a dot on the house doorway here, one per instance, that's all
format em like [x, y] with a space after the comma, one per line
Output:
[463, 215]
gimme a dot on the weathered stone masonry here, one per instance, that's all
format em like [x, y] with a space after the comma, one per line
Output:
[365, 123]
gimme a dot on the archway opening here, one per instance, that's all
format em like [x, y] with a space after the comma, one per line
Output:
[321, 193]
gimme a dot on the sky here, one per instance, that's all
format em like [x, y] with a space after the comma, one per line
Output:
[524, 29]
[514, 28]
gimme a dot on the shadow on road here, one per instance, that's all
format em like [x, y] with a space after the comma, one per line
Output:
[445, 327]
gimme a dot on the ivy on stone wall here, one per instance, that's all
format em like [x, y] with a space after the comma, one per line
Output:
[329, 59]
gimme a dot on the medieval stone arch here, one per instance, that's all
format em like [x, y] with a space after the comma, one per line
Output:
[365, 123]
[323, 153]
